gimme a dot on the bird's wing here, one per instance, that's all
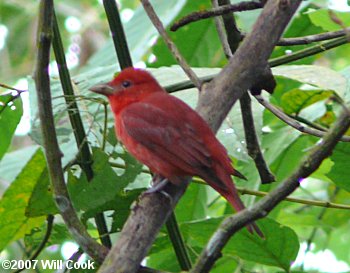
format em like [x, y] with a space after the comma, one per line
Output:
[171, 129]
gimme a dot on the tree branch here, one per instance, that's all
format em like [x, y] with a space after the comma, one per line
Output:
[170, 44]
[259, 210]
[310, 51]
[52, 151]
[305, 40]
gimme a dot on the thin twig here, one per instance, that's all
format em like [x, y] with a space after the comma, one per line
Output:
[305, 40]
[310, 51]
[259, 210]
[205, 14]
[293, 123]
[12, 88]
[46, 238]
[50, 143]
[309, 39]
[253, 146]
[171, 45]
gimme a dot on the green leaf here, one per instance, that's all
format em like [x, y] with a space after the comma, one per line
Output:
[10, 115]
[198, 42]
[105, 185]
[316, 76]
[59, 235]
[193, 204]
[277, 141]
[14, 222]
[338, 243]
[293, 155]
[322, 18]
[13, 162]
[121, 206]
[295, 100]
[340, 171]
[41, 201]
[164, 260]
[280, 247]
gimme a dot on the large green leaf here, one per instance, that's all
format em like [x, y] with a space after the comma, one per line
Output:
[296, 100]
[197, 42]
[277, 141]
[293, 155]
[14, 222]
[316, 76]
[41, 201]
[193, 205]
[10, 115]
[106, 186]
[13, 162]
[279, 249]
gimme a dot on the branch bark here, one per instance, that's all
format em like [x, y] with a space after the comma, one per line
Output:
[215, 101]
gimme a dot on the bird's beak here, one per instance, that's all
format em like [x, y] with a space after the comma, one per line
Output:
[103, 89]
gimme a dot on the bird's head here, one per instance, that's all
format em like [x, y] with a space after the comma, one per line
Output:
[130, 79]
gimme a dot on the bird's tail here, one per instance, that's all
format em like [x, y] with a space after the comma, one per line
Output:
[233, 198]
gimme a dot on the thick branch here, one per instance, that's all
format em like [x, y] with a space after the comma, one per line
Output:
[232, 224]
[52, 151]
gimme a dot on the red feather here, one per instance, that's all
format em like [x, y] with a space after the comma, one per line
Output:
[167, 135]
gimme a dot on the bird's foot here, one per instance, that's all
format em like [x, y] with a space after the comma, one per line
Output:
[157, 186]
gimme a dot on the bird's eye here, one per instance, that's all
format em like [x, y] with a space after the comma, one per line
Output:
[126, 84]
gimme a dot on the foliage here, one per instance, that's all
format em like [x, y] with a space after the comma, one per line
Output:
[309, 89]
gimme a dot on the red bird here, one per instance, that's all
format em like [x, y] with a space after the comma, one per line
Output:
[167, 135]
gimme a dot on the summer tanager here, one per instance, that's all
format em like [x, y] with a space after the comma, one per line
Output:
[167, 135]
